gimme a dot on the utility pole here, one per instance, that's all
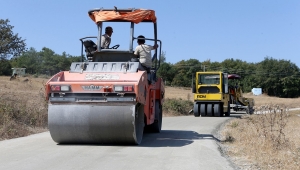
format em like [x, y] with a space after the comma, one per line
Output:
[203, 66]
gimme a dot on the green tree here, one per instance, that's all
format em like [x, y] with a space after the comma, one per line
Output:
[163, 57]
[290, 86]
[277, 77]
[49, 64]
[56, 63]
[11, 45]
[181, 79]
[5, 67]
[166, 72]
[184, 71]
[45, 61]
[30, 60]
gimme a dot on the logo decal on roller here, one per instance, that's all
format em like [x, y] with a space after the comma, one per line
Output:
[101, 77]
[201, 96]
[92, 87]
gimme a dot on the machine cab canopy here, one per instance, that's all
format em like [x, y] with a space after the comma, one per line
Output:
[96, 53]
[233, 76]
[126, 15]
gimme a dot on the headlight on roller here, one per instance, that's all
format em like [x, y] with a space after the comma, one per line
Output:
[65, 88]
[127, 88]
[118, 88]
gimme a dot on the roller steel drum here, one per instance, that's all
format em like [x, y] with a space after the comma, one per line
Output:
[96, 123]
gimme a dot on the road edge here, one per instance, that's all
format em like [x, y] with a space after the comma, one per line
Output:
[222, 148]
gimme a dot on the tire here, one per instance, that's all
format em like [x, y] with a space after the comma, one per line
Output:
[196, 110]
[209, 110]
[222, 109]
[202, 110]
[251, 110]
[227, 113]
[217, 110]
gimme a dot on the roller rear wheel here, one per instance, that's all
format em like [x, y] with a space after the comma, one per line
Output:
[227, 113]
[196, 110]
[217, 110]
[209, 110]
[202, 110]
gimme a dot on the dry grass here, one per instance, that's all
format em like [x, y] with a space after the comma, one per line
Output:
[265, 100]
[177, 107]
[179, 93]
[264, 141]
[23, 110]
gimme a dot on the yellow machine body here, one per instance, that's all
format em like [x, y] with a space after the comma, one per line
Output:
[214, 97]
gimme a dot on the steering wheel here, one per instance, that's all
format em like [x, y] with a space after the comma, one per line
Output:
[115, 46]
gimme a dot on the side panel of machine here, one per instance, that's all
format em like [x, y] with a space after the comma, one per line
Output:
[204, 97]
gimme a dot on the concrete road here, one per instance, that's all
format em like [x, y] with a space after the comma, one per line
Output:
[185, 143]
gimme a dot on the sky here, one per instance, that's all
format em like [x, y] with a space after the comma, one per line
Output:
[214, 30]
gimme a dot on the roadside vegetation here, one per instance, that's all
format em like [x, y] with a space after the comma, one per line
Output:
[23, 110]
[178, 101]
[269, 139]
[177, 107]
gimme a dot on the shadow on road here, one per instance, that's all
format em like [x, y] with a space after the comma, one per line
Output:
[166, 138]
[173, 138]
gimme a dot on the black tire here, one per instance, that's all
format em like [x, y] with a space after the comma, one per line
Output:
[217, 112]
[222, 109]
[209, 110]
[251, 110]
[227, 113]
[196, 110]
[202, 110]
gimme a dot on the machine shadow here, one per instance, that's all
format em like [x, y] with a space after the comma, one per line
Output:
[166, 138]
[173, 138]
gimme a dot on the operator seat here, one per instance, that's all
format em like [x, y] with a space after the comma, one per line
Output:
[90, 49]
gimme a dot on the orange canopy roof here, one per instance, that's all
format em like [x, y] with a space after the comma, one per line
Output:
[135, 16]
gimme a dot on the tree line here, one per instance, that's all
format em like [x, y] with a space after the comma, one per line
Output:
[45, 62]
[276, 77]
[279, 78]
[14, 54]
